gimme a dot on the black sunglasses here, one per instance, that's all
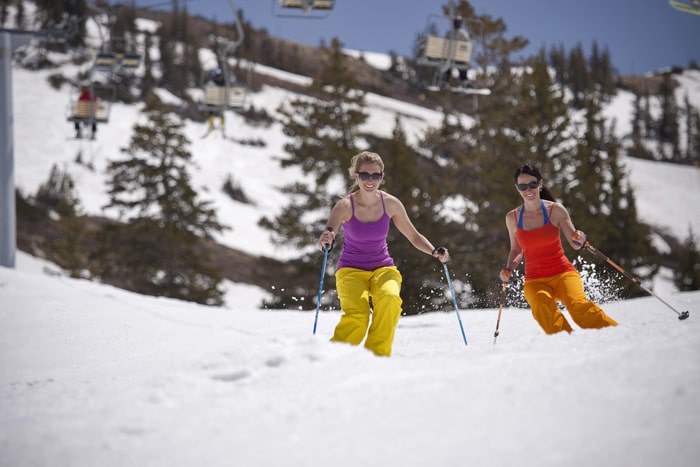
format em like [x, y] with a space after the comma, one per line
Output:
[364, 176]
[525, 186]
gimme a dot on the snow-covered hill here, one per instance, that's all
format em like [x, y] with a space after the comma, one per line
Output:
[92, 376]
[667, 194]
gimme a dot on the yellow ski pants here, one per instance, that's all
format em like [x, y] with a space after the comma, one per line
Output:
[355, 289]
[542, 295]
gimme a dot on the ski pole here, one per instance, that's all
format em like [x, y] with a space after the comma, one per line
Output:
[500, 309]
[454, 299]
[587, 246]
[326, 248]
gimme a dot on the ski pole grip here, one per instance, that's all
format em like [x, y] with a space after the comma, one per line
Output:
[330, 247]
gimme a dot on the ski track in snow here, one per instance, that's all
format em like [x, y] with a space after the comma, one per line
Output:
[93, 375]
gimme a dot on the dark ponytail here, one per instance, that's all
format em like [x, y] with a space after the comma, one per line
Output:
[530, 169]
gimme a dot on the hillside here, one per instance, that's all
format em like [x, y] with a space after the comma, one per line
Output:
[246, 252]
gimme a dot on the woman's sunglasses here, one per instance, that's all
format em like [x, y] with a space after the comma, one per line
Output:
[364, 176]
[525, 186]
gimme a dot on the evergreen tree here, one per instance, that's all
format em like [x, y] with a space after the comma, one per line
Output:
[476, 157]
[606, 74]
[57, 198]
[415, 180]
[323, 131]
[602, 204]
[57, 194]
[579, 77]
[692, 127]
[668, 128]
[4, 4]
[687, 276]
[157, 251]
[148, 82]
[557, 60]
[534, 130]
[19, 14]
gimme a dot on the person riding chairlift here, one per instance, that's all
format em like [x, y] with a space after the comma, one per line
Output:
[216, 78]
[86, 95]
[457, 33]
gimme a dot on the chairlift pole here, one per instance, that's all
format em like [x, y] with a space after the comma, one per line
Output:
[8, 217]
[451, 42]
[8, 213]
[229, 49]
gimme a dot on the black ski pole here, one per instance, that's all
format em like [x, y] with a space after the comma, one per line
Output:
[500, 309]
[587, 246]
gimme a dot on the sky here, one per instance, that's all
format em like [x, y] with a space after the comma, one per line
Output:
[642, 36]
[91, 375]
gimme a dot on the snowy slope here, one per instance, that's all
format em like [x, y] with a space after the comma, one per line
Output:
[92, 376]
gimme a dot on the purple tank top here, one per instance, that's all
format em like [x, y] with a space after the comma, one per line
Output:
[365, 245]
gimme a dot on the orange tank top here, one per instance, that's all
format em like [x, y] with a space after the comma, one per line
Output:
[542, 249]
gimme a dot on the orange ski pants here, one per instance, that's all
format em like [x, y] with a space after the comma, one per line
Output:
[542, 295]
[355, 289]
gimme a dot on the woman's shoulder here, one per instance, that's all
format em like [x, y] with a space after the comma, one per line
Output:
[553, 206]
[344, 201]
[389, 199]
[557, 212]
[512, 215]
[392, 203]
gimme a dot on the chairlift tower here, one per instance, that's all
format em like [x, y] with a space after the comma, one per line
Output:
[219, 97]
[8, 215]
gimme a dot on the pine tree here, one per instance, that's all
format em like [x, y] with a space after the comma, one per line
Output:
[687, 276]
[579, 76]
[692, 138]
[20, 18]
[533, 130]
[474, 159]
[668, 129]
[323, 134]
[148, 82]
[323, 129]
[157, 252]
[57, 198]
[416, 181]
[602, 203]
[4, 4]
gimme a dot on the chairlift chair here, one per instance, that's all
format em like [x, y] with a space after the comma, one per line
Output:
[215, 97]
[221, 94]
[307, 7]
[128, 60]
[93, 111]
[686, 6]
[105, 59]
[449, 54]
[438, 50]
